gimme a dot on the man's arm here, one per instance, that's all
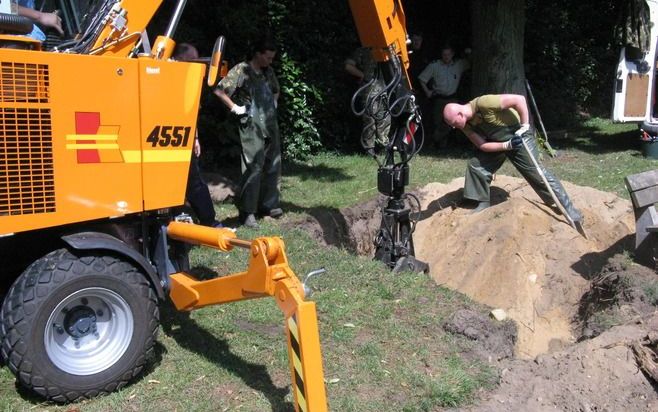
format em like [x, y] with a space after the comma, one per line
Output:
[226, 99]
[485, 146]
[45, 19]
[423, 78]
[350, 67]
[518, 103]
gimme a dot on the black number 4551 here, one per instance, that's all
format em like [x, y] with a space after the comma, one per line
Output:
[169, 136]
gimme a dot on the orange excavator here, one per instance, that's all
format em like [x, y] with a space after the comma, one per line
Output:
[96, 135]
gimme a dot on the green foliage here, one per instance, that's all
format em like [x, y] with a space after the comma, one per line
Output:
[570, 58]
[299, 99]
[314, 38]
[651, 291]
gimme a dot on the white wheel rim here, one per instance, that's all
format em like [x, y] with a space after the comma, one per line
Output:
[88, 331]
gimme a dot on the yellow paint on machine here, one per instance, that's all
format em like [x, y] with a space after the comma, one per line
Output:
[156, 156]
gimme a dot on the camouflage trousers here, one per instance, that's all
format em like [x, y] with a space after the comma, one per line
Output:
[260, 182]
[376, 121]
[484, 164]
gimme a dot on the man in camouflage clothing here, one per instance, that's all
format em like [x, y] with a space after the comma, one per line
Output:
[376, 119]
[250, 90]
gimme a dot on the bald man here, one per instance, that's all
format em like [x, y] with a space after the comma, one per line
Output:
[496, 124]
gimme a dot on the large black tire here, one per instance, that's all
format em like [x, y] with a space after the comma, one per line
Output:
[651, 128]
[74, 327]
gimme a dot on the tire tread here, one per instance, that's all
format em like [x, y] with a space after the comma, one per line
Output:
[37, 282]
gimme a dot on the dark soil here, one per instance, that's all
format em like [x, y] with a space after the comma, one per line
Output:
[624, 292]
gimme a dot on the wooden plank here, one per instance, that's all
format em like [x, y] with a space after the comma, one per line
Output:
[645, 197]
[637, 92]
[641, 180]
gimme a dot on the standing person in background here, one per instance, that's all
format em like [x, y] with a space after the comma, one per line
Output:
[439, 81]
[197, 193]
[376, 120]
[26, 9]
[250, 91]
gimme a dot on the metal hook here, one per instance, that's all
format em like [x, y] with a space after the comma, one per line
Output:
[307, 290]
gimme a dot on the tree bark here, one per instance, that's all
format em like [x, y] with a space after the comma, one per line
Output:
[498, 36]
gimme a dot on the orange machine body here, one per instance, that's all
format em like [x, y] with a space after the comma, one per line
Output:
[382, 27]
[92, 137]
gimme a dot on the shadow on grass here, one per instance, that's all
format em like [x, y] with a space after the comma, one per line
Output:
[326, 222]
[592, 140]
[318, 172]
[591, 264]
[192, 337]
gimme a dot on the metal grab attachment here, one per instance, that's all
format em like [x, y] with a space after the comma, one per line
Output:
[268, 274]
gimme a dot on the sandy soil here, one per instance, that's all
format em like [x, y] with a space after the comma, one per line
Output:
[559, 288]
[519, 255]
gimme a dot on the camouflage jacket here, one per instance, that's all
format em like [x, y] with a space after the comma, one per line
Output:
[242, 82]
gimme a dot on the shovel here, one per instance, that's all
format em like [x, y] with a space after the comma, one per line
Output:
[579, 228]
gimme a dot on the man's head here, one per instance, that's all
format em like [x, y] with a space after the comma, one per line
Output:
[455, 115]
[263, 52]
[185, 52]
[447, 53]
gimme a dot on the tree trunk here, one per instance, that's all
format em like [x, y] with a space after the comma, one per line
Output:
[498, 35]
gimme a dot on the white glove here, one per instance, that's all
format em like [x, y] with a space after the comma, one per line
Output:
[513, 144]
[238, 110]
[524, 128]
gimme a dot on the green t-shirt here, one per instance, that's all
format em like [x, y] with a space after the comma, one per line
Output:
[489, 118]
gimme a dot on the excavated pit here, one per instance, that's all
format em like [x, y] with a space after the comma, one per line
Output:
[581, 307]
[518, 255]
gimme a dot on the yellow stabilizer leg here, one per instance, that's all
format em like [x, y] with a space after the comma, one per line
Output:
[268, 274]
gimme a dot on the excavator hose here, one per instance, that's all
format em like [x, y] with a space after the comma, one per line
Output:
[14, 24]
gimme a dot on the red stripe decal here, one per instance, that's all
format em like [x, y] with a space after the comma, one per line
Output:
[87, 123]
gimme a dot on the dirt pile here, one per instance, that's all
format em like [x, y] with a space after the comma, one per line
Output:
[519, 255]
[600, 374]
[558, 287]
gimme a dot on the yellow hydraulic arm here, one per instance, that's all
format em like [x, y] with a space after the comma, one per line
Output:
[382, 27]
[268, 274]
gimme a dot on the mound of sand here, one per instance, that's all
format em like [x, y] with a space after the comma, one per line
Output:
[519, 255]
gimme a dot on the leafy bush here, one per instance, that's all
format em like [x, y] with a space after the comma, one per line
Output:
[570, 57]
[314, 38]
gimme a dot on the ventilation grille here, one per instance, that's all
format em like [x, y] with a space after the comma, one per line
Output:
[27, 184]
[22, 82]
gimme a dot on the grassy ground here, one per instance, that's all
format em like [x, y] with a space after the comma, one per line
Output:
[383, 345]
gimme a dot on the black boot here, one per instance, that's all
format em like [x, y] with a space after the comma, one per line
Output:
[481, 206]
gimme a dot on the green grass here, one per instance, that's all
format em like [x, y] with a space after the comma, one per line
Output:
[383, 345]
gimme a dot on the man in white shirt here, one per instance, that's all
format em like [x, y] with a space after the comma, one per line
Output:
[439, 81]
